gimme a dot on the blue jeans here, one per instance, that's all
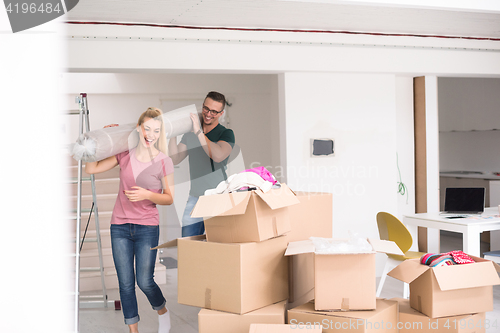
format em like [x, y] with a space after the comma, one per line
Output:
[191, 226]
[129, 241]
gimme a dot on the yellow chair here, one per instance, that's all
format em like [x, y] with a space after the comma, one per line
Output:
[391, 228]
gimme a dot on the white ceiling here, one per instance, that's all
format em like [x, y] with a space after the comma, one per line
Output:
[368, 16]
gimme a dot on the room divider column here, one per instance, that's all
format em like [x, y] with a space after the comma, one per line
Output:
[426, 156]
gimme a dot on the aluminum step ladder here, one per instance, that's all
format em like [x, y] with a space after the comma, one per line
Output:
[99, 300]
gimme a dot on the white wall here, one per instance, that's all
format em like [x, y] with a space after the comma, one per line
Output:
[467, 104]
[359, 113]
[36, 240]
[470, 151]
[469, 120]
[405, 145]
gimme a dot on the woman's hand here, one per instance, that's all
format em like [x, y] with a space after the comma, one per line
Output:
[138, 194]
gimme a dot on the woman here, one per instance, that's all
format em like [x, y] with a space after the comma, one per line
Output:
[146, 180]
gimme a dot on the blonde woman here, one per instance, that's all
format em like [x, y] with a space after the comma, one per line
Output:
[146, 180]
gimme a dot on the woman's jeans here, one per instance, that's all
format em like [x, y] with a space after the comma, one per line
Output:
[130, 241]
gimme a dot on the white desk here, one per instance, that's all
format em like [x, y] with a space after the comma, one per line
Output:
[471, 228]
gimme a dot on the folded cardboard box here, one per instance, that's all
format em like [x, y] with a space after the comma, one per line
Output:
[312, 217]
[449, 290]
[412, 321]
[212, 321]
[343, 281]
[236, 278]
[381, 320]
[249, 216]
[275, 328]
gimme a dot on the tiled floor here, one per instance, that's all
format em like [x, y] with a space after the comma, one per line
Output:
[185, 320]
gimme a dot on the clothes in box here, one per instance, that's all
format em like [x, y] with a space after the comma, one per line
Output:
[449, 290]
[248, 216]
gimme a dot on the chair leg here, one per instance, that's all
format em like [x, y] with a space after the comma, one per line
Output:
[406, 291]
[382, 278]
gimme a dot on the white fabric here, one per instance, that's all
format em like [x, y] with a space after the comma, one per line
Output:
[240, 180]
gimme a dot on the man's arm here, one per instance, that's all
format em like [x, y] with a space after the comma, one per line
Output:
[217, 151]
[177, 152]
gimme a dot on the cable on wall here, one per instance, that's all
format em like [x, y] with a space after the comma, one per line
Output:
[402, 189]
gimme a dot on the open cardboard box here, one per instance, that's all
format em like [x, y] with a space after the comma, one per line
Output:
[249, 216]
[236, 278]
[381, 320]
[343, 281]
[412, 321]
[449, 290]
[212, 321]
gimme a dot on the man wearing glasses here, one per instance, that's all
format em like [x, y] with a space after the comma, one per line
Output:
[208, 148]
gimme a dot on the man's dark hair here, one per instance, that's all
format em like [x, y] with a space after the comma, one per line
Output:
[218, 97]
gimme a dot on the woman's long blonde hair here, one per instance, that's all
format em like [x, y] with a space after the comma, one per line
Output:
[156, 114]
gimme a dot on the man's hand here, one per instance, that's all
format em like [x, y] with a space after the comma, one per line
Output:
[196, 122]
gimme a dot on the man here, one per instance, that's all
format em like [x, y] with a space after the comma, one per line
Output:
[208, 148]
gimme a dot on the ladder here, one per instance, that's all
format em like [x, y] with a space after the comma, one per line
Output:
[87, 301]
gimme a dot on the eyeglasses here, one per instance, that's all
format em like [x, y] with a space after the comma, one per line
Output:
[212, 112]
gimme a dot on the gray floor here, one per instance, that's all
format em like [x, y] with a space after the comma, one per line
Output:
[185, 320]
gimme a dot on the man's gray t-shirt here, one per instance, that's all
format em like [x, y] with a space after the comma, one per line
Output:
[204, 172]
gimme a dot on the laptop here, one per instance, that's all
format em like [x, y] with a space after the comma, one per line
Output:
[464, 200]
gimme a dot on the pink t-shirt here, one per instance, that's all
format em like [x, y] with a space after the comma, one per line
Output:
[147, 175]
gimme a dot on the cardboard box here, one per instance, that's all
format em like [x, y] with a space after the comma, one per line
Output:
[412, 321]
[381, 320]
[212, 321]
[300, 279]
[311, 218]
[344, 281]
[269, 328]
[236, 278]
[250, 216]
[449, 290]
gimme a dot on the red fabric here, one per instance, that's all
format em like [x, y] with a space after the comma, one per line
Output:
[460, 257]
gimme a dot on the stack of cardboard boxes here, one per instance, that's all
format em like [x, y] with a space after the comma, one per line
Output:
[239, 274]
[256, 260]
